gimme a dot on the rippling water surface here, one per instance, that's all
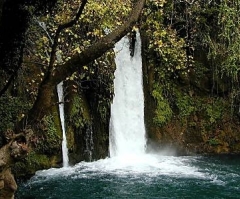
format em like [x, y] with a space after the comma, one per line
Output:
[150, 176]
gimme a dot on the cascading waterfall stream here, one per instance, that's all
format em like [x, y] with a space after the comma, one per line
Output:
[61, 112]
[127, 129]
[89, 143]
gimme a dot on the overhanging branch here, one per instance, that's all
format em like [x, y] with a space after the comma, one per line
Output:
[76, 63]
[60, 28]
[100, 47]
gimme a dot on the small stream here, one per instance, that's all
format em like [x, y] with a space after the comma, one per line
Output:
[62, 119]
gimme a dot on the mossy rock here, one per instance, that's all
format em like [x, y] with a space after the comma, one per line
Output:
[33, 163]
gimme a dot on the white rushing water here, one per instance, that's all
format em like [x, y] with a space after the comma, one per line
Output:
[89, 143]
[127, 129]
[61, 112]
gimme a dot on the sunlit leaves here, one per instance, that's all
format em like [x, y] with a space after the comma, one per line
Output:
[109, 12]
[98, 16]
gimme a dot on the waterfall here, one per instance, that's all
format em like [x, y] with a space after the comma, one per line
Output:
[89, 143]
[127, 129]
[61, 112]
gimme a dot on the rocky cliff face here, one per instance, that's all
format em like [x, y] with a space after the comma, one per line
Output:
[88, 111]
[87, 128]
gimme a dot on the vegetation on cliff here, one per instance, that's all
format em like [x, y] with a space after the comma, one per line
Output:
[191, 70]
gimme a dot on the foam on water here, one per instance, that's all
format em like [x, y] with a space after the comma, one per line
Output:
[148, 165]
[153, 176]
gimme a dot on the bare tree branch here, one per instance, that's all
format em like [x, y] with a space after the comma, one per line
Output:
[60, 28]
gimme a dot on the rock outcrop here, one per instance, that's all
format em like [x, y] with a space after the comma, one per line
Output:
[14, 150]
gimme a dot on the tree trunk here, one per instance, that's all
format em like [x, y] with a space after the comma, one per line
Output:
[43, 103]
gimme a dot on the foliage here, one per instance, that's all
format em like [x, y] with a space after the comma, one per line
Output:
[36, 161]
[31, 164]
[229, 38]
[164, 43]
[215, 110]
[79, 114]
[96, 83]
[163, 111]
[49, 141]
[213, 142]
[103, 85]
[167, 56]
[185, 104]
[195, 47]
[110, 13]
[97, 17]
[12, 109]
